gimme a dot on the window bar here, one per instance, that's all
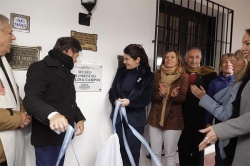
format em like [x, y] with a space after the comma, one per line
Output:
[200, 39]
[179, 47]
[216, 32]
[165, 36]
[215, 35]
[207, 38]
[173, 27]
[221, 45]
[195, 25]
[188, 35]
[156, 33]
[231, 34]
[177, 33]
[227, 30]
[218, 4]
[212, 36]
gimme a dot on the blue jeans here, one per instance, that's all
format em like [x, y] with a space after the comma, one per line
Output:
[47, 156]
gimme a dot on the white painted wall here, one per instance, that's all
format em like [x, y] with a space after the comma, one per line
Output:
[117, 24]
[241, 19]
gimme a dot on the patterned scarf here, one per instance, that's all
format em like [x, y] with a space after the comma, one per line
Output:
[203, 70]
[168, 76]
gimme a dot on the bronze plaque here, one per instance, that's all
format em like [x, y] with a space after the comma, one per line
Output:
[88, 41]
[21, 57]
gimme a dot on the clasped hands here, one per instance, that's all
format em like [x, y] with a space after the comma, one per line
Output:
[163, 90]
[59, 122]
[26, 119]
[124, 102]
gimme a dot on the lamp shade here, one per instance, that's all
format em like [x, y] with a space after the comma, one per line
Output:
[84, 19]
[88, 4]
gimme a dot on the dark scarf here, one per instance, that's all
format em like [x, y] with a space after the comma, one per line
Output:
[65, 59]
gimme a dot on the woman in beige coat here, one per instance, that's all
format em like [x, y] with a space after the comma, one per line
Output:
[165, 118]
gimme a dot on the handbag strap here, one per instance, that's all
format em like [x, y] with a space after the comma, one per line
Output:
[123, 114]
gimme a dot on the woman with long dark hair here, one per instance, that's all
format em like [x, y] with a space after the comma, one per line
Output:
[133, 87]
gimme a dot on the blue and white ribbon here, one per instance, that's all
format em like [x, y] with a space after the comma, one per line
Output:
[67, 140]
[123, 114]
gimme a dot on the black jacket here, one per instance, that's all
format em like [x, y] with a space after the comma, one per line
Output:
[49, 87]
[193, 114]
[140, 95]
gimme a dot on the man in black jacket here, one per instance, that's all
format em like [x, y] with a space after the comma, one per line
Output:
[193, 114]
[50, 99]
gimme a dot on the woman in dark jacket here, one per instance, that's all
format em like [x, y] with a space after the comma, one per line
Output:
[165, 118]
[133, 87]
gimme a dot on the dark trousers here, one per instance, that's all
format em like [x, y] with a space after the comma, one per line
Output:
[133, 142]
[4, 163]
[189, 153]
[47, 156]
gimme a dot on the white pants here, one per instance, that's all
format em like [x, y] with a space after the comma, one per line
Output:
[170, 139]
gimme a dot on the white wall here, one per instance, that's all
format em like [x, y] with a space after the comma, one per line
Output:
[241, 19]
[117, 24]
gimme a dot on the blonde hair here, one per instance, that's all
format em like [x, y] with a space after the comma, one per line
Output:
[240, 75]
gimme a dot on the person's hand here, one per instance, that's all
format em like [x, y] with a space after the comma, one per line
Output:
[25, 119]
[210, 138]
[79, 128]
[58, 122]
[198, 92]
[124, 102]
[175, 91]
[162, 88]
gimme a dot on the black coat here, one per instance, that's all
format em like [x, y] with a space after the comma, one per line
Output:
[140, 95]
[49, 87]
[193, 114]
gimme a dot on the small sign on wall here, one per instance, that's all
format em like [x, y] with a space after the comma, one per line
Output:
[20, 22]
[88, 77]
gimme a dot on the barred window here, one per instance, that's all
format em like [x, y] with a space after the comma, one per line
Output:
[182, 24]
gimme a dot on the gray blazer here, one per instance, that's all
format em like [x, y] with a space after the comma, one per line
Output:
[238, 127]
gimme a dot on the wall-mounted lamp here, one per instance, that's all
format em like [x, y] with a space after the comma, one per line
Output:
[84, 19]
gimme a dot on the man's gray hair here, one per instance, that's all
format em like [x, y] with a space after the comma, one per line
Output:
[2, 20]
[193, 48]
